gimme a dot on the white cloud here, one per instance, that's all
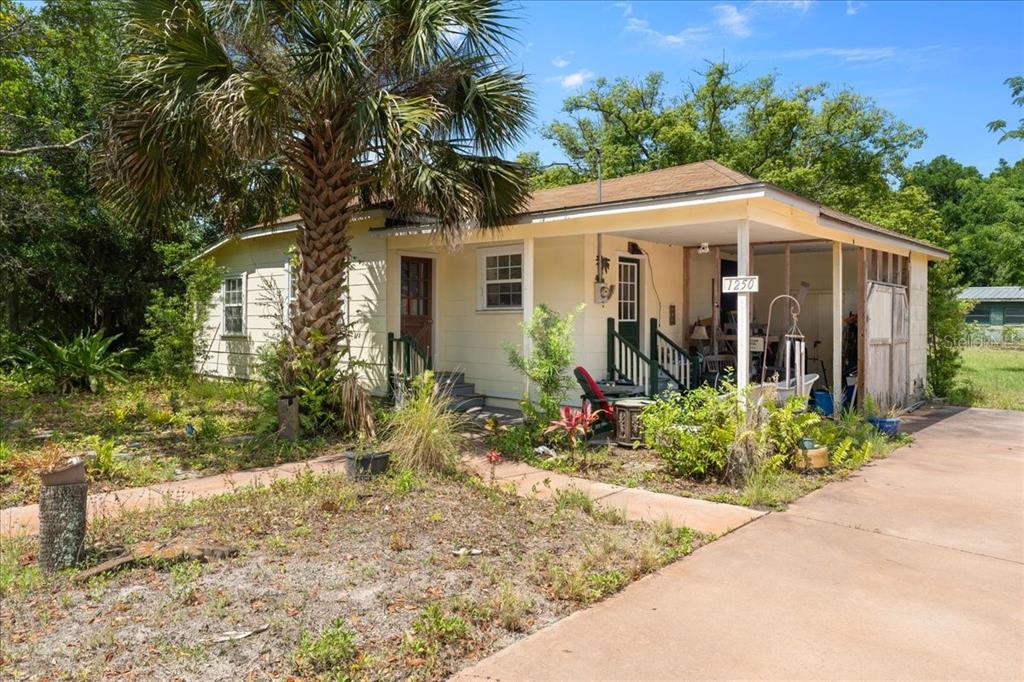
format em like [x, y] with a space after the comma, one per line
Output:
[853, 6]
[846, 54]
[575, 79]
[626, 7]
[733, 20]
[562, 60]
[684, 37]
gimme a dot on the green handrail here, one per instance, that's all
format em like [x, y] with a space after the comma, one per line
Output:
[406, 348]
[637, 360]
[658, 336]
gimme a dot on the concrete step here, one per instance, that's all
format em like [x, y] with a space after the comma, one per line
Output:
[464, 403]
[450, 377]
[461, 389]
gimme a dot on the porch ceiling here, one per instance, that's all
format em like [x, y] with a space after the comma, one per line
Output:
[721, 233]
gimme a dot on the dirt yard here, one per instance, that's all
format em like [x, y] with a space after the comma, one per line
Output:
[398, 578]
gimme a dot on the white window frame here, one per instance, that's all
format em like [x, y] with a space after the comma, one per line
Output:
[244, 277]
[289, 295]
[482, 281]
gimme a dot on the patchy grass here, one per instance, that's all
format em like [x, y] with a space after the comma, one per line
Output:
[991, 377]
[394, 578]
[138, 433]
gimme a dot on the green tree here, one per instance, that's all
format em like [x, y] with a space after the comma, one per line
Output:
[175, 320]
[1016, 85]
[839, 148]
[343, 104]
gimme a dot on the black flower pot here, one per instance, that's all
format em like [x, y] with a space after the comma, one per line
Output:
[366, 464]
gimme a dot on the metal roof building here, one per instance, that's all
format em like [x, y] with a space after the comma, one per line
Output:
[1005, 294]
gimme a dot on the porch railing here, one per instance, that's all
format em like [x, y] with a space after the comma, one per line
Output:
[680, 366]
[626, 361]
[405, 361]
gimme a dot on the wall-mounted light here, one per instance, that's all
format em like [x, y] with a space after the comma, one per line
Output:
[704, 248]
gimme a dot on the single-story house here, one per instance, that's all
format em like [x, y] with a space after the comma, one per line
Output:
[645, 253]
[998, 311]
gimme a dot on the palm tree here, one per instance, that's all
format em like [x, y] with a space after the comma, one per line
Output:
[342, 104]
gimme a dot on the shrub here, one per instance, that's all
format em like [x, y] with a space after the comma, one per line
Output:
[549, 363]
[425, 434]
[174, 321]
[84, 362]
[694, 433]
[513, 442]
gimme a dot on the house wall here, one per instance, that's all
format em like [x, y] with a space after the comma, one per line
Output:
[264, 261]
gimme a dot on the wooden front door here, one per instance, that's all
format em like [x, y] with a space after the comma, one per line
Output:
[629, 300]
[417, 301]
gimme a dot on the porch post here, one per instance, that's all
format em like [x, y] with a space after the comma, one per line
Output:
[837, 328]
[742, 309]
[527, 296]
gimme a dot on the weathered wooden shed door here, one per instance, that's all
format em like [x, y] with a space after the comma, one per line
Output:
[887, 332]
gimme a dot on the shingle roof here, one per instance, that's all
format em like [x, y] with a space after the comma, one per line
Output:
[691, 177]
[992, 294]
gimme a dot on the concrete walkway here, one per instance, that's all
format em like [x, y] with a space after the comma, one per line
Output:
[635, 504]
[911, 569]
[25, 520]
[707, 517]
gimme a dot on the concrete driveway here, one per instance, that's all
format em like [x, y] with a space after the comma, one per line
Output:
[911, 569]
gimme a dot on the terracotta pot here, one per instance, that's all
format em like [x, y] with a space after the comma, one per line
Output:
[71, 473]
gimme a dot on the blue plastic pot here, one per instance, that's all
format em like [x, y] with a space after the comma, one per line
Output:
[890, 426]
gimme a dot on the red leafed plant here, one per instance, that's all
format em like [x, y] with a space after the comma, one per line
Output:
[575, 424]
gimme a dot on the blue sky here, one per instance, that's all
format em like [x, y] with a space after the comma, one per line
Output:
[939, 66]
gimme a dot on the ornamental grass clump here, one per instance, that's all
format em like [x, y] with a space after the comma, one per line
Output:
[425, 435]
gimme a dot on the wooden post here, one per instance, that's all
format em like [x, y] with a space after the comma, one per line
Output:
[742, 310]
[787, 274]
[837, 328]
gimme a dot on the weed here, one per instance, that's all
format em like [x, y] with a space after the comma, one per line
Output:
[183, 578]
[573, 498]
[404, 482]
[159, 417]
[604, 583]
[104, 463]
[332, 649]
[433, 630]
[398, 542]
[509, 608]
[16, 575]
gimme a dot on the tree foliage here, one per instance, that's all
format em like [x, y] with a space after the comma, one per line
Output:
[339, 105]
[839, 148]
[68, 263]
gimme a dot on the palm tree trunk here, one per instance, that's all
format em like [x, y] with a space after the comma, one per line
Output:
[326, 193]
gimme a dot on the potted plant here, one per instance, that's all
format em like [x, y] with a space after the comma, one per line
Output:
[366, 460]
[885, 420]
[56, 467]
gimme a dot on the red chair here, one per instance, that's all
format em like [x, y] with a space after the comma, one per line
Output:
[596, 397]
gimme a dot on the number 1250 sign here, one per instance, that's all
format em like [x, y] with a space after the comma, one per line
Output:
[739, 285]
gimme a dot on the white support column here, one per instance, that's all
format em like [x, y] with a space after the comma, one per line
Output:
[837, 327]
[742, 308]
[527, 295]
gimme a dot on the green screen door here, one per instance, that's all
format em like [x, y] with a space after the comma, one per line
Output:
[629, 300]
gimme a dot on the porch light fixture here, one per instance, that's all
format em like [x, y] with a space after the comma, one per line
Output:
[704, 248]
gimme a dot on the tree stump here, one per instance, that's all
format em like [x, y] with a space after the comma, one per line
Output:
[61, 525]
[288, 417]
